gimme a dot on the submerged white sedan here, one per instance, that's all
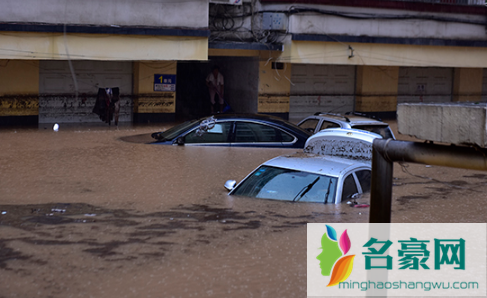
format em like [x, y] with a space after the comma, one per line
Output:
[335, 165]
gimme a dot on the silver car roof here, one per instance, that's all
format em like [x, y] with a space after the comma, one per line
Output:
[353, 119]
[348, 133]
[348, 143]
[317, 164]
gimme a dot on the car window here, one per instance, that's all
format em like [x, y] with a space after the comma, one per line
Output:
[288, 185]
[328, 124]
[177, 130]
[382, 130]
[248, 132]
[349, 188]
[309, 125]
[217, 134]
[364, 177]
[285, 137]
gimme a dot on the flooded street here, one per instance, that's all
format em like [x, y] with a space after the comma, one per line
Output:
[95, 212]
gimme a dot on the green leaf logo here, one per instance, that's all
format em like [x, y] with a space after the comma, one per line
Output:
[331, 252]
[331, 256]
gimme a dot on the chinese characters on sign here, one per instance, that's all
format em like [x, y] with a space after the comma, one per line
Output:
[414, 254]
[164, 83]
[375, 254]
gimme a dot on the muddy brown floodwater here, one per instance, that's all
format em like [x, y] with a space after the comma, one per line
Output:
[93, 211]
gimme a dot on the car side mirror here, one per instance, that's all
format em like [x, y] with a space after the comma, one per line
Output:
[353, 199]
[230, 184]
[309, 129]
[356, 196]
[180, 141]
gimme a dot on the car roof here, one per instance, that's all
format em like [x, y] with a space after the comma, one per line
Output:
[347, 133]
[354, 144]
[263, 117]
[352, 119]
[317, 164]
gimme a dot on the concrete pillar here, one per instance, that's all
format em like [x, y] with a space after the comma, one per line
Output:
[376, 89]
[274, 88]
[19, 92]
[152, 101]
[467, 84]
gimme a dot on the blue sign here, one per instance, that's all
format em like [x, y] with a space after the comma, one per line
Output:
[164, 82]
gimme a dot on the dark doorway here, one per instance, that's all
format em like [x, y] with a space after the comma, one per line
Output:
[241, 77]
[191, 92]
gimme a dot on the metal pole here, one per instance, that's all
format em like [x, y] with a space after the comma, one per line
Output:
[381, 189]
[386, 152]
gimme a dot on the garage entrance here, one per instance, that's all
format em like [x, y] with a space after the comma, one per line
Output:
[240, 80]
[321, 88]
[57, 100]
[425, 84]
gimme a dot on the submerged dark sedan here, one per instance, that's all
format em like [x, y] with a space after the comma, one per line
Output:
[249, 130]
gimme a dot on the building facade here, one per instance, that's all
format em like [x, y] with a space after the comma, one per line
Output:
[287, 58]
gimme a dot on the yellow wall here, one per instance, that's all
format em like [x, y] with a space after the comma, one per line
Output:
[146, 99]
[376, 88]
[467, 84]
[274, 86]
[314, 52]
[19, 88]
[52, 46]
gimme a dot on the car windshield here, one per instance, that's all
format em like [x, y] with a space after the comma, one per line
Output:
[309, 125]
[382, 130]
[288, 185]
[176, 130]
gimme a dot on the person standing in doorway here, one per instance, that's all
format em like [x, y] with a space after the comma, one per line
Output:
[214, 81]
